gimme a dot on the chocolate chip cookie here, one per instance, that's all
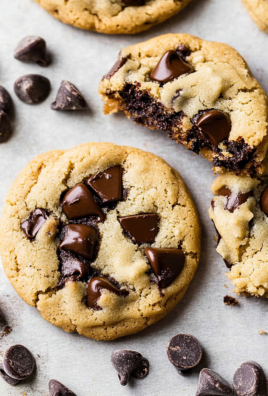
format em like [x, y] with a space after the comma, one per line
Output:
[258, 10]
[101, 239]
[200, 93]
[113, 16]
[239, 212]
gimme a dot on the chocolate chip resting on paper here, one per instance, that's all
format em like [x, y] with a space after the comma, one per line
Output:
[184, 352]
[129, 363]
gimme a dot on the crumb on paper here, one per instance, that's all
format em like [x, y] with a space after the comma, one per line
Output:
[231, 301]
[262, 332]
[7, 330]
[226, 286]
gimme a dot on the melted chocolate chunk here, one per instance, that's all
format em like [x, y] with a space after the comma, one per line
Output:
[248, 379]
[118, 64]
[108, 184]
[134, 2]
[167, 264]
[18, 362]
[216, 125]
[184, 351]
[80, 239]
[211, 383]
[183, 51]
[58, 389]
[7, 378]
[129, 363]
[71, 266]
[79, 202]
[264, 201]
[32, 225]
[170, 66]
[140, 228]
[32, 49]
[95, 287]
[233, 200]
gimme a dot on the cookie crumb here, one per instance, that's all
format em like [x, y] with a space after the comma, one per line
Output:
[7, 330]
[225, 286]
[262, 332]
[231, 301]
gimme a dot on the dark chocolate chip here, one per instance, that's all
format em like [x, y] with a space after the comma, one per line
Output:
[228, 265]
[32, 88]
[69, 98]
[229, 300]
[18, 362]
[5, 127]
[95, 287]
[108, 184]
[32, 49]
[170, 66]
[264, 201]
[212, 384]
[32, 225]
[248, 379]
[134, 2]
[128, 363]
[233, 200]
[118, 64]
[216, 125]
[80, 239]
[7, 378]
[5, 101]
[184, 351]
[183, 51]
[71, 266]
[140, 228]
[79, 202]
[58, 389]
[167, 264]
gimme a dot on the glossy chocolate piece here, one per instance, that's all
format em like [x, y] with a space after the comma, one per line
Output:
[79, 202]
[32, 225]
[216, 125]
[72, 267]
[69, 98]
[167, 264]
[32, 49]
[170, 66]
[264, 201]
[80, 239]
[129, 363]
[7, 378]
[18, 362]
[212, 384]
[108, 184]
[248, 379]
[183, 51]
[233, 200]
[58, 389]
[118, 64]
[95, 287]
[5, 127]
[5, 101]
[184, 351]
[32, 88]
[140, 228]
[134, 2]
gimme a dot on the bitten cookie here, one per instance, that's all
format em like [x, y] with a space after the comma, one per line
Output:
[113, 16]
[239, 212]
[258, 10]
[101, 239]
[201, 93]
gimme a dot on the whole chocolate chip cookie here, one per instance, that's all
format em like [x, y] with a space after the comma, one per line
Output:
[113, 16]
[101, 239]
[239, 212]
[201, 93]
[258, 10]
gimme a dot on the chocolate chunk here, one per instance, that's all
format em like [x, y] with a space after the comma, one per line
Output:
[5, 127]
[140, 228]
[129, 363]
[134, 2]
[167, 264]
[71, 266]
[69, 98]
[32, 49]
[32, 225]
[264, 201]
[228, 265]
[108, 184]
[233, 200]
[7, 378]
[229, 300]
[183, 51]
[248, 379]
[170, 66]
[80, 239]
[212, 384]
[32, 88]
[184, 351]
[79, 202]
[18, 362]
[216, 125]
[95, 287]
[118, 64]
[58, 389]
[5, 101]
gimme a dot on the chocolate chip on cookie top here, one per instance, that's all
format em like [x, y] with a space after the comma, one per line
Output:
[108, 184]
[33, 224]
[170, 66]
[95, 287]
[141, 228]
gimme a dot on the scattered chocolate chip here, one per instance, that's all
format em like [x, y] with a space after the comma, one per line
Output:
[108, 184]
[167, 264]
[184, 351]
[264, 201]
[32, 49]
[5, 101]
[5, 127]
[80, 239]
[233, 200]
[72, 267]
[58, 389]
[129, 363]
[248, 379]
[183, 51]
[18, 362]
[79, 202]
[32, 225]
[7, 378]
[95, 287]
[216, 125]
[170, 66]
[69, 98]
[212, 384]
[229, 300]
[118, 64]
[32, 88]
[140, 228]
[134, 2]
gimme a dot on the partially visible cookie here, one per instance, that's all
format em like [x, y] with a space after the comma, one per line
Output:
[258, 10]
[101, 239]
[200, 93]
[113, 16]
[239, 212]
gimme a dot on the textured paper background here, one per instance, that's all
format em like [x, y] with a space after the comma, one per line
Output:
[229, 335]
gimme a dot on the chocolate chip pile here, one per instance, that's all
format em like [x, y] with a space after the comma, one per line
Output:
[18, 365]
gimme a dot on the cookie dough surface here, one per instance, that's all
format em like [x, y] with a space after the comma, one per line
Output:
[258, 10]
[218, 79]
[34, 268]
[113, 16]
